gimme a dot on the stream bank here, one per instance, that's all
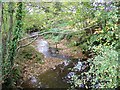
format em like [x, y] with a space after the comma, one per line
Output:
[50, 71]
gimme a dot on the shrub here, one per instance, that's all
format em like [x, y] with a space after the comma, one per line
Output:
[105, 67]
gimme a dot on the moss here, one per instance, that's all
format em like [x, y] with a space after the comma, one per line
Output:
[29, 53]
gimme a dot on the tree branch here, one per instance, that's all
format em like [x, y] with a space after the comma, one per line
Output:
[41, 35]
[35, 38]
[26, 44]
[49, 33]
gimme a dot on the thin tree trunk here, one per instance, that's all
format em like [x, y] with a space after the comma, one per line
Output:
[1, 17]
[10, 79]
[11, 21]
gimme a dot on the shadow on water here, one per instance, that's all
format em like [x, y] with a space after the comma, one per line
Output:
[57, 77]
[53, 79]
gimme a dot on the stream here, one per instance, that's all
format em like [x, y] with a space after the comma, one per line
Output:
[59, 76]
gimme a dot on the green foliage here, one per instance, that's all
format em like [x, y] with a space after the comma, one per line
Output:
[103, 72]
[25, 54]
[13, 34]
[84, 15]
[35, 20]
[16, 75]
[59, 18]
[104, 65]
[56, 34]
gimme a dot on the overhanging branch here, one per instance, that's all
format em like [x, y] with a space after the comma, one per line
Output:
[35, 38]
[41, 35]
[50, 32]
[26, 44]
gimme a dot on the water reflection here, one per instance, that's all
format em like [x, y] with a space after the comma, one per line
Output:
[59, 76]
[44, 47]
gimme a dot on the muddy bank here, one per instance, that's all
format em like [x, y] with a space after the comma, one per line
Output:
[47, 71]
[33, 63]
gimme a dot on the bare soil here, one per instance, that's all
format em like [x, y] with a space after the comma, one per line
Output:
[33, 67]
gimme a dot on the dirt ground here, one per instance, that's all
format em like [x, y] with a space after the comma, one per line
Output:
[33, 67]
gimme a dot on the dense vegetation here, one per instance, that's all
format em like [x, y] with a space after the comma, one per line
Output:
[91, 26]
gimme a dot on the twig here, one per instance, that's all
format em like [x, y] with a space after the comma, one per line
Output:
[27, 43]
[89, 27]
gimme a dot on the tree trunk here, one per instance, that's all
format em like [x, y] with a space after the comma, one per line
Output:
[11, 21]
[1, 16]
[8, 81]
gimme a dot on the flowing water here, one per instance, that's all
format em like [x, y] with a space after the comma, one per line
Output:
[57, 77]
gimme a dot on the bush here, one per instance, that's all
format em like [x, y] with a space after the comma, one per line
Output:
[105, 68]
[104, 44]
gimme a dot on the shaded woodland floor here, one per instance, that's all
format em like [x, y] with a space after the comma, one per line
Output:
[32, 63]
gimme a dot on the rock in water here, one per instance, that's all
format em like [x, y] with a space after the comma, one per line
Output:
[33, 80]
